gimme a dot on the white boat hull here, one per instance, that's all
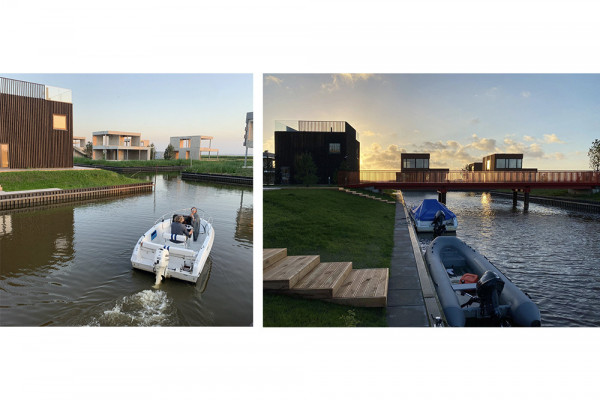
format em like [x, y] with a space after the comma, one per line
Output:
[426, 226]
[185, 262]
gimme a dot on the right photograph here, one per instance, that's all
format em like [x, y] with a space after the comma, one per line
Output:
[431, 200]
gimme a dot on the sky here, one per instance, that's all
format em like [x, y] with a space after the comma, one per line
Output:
[158, 105]
[459, 118]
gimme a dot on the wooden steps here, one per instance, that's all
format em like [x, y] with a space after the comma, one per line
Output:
[307, 277]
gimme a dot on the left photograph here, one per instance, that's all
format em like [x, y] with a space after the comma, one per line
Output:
[126, 199]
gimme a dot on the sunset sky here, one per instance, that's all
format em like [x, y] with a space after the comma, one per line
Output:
[158, 105]
[458, 118]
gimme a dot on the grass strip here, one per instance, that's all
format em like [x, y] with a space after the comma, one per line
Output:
[31, 180]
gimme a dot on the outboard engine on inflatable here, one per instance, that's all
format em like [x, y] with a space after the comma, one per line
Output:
[439, 227]
[488, 290]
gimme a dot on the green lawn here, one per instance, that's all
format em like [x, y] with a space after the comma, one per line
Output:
[338, 227]
[30, 180]
[228, 165]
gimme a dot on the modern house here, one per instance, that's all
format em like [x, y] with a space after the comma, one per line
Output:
[475, 166]
[249, 134]
[119, 146]
[331, 144]
[415, 168]
[504, 162]
[79, 146]
[36, 125]
[187, 147]
[268, 168]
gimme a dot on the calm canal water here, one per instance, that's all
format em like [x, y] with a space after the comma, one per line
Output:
[551, 253]
[69, 265]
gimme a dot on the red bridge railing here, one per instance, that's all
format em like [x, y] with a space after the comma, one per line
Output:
[465, 177]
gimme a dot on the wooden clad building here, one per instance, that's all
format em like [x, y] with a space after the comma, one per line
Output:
[36, 125]
[331, 144]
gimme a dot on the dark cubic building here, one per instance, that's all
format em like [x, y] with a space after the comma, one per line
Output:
[414, 162]
[331, 144]
[36, 125]
[504, 162]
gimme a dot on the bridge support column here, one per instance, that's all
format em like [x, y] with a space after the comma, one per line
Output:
[526, 200]
[442, 196]
[515, 198]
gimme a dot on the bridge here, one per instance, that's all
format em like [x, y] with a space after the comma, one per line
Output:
[443, 181]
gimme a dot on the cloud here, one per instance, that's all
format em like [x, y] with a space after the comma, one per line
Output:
[552, 139]
[375, 157]
[492, 92]
[344, 79]
[273, 80]
[483, 144]
[525, 94]
[528, 138]
[368, 133]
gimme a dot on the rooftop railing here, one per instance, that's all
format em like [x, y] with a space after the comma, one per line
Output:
[35, 90]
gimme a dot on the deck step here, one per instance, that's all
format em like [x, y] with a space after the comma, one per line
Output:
[364, 288]
[323, 281]
[271, 256]
[287, 272]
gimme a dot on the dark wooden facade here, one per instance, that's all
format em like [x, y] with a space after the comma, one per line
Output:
[332, 150]
[514, 162]
[27, 127]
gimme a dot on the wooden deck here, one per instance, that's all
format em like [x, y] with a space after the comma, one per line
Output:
[307, 277]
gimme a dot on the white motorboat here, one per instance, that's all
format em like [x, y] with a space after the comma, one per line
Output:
[431, 213]
[175, 256]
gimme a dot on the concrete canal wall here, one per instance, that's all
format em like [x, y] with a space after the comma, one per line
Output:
[29, 198]
[229, 179]
[576, 205]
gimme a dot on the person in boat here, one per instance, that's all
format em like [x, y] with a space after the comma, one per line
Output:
[178, 228]
[195, 222]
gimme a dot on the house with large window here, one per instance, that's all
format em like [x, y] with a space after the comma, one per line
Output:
[332, 146]
[36, 125]
[186, 147]
[504, 162]
[119, 146]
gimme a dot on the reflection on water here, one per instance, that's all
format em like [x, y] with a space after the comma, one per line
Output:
[550, 253]
[70, 264]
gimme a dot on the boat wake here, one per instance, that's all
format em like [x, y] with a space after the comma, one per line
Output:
[146, 308]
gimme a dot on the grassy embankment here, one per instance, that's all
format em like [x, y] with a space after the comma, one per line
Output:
[226, 165]
[30, 180]
[561, 193]
[338, 227]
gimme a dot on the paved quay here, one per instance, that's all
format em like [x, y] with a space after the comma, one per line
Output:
[411, 297]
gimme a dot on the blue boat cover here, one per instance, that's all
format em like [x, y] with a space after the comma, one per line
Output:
[426, 211]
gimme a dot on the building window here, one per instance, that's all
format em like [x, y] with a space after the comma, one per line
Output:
[184, 143]
[334, 148]
[508, 163]
[500, 163]
[59, 122]
[488, 165]
[422, 163]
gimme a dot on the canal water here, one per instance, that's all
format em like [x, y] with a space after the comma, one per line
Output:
[69, 264]
[551, 253]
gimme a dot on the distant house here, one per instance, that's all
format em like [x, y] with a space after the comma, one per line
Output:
[331, 144]
[119, 146]
[36, 125]
[504, 162]
[186, 147]
[79, 146]
[414, 167]
[475, 166]
[268, 168]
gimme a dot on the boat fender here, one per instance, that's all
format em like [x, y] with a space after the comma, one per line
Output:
[469, 278]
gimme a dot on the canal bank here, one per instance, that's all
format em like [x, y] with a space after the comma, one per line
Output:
[574, 204]
[412, 300]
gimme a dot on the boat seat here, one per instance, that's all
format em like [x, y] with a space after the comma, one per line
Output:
[175, 238]
[464, 287]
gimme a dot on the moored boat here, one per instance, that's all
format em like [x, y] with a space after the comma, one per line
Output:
[175, 256]
[470, 287]
[431, 213]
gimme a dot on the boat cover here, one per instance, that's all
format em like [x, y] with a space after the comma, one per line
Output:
[427, 209]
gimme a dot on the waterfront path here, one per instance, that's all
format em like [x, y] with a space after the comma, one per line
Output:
[411, 297]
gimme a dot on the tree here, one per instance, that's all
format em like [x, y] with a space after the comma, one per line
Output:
[306, 170]
[89, 147]
[169, 152]
[152, 151]
[594, 155]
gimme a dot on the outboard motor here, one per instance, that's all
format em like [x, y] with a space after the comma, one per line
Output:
[161, 260]
[439, 227]
[489, 288]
